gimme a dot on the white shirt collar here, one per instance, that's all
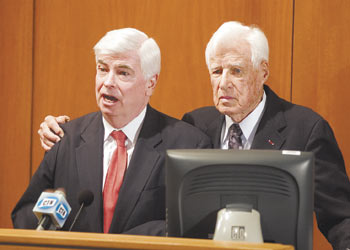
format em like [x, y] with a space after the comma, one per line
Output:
[248, 125]
[131, 130]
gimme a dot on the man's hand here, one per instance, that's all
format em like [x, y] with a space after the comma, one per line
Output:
[50, 132]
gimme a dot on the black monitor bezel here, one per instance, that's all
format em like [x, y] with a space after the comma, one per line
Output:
[298, 164]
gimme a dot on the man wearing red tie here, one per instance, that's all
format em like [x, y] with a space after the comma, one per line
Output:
[118, 153]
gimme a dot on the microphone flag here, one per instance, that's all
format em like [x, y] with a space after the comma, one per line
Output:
[54, 205]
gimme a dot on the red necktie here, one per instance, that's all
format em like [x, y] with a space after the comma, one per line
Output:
[114, 179]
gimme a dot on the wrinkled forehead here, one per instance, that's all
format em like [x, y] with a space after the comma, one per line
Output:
[234, 48]
[132, 57]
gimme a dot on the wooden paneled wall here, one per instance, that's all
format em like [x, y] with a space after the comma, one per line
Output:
[16, 47]
[47, 64]
[321, 63]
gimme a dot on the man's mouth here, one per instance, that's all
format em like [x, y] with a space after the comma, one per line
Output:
[109, 98]
[225, 97]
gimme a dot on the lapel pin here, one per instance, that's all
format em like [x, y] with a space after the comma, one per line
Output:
[271, 142]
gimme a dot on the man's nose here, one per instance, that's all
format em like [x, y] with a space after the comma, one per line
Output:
[110, 80]
[226, 80]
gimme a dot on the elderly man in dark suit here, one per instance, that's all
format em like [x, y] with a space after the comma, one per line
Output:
[249, 115]
[119, 152]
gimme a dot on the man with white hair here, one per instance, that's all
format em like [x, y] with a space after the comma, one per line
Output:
[117, 153]
[249, 115]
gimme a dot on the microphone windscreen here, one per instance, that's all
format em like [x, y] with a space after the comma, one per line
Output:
[86, 197]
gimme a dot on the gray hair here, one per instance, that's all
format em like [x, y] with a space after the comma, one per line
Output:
[256, 38]
[129, 39]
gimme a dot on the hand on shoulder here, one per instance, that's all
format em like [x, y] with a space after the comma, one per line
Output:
[50, 132]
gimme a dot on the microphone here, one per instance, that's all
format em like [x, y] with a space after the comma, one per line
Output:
[85, 198]
[52, 210]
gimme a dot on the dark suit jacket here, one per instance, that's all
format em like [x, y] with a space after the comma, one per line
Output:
[294, 127]
[76, 164]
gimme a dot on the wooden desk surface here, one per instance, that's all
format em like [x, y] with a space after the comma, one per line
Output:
[11, 239]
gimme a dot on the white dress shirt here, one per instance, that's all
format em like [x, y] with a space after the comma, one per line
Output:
[131, 130]
[248, 125]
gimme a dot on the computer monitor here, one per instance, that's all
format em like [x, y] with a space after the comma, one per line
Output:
[278, 184]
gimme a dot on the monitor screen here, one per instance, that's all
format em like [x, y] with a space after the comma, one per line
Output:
[278, 184]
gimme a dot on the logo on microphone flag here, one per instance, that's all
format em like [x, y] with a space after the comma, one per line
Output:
[62, 212]
[47, 202]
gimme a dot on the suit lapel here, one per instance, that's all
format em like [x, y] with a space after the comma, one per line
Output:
[143, 160]
[89, 156]
[214, 131]
[269, 133]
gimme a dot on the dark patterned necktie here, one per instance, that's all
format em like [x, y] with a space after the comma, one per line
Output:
[234, 137]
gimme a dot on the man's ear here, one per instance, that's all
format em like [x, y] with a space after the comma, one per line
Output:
[151, 84]
[264, 71]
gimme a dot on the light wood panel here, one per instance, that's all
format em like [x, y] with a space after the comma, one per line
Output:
[29, 239]
[321, 68]
[67, 30]
[15, 101]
